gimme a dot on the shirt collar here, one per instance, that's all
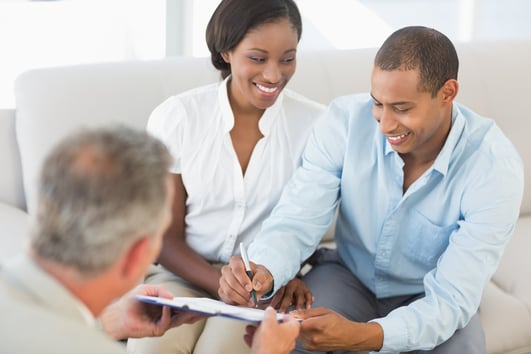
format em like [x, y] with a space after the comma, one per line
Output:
[267, 119]
[88, 317]
[44, 289]
[444, 157]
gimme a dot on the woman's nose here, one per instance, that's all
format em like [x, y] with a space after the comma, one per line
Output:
[272, 73]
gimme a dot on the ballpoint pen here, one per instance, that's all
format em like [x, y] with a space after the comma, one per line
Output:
[248, 270]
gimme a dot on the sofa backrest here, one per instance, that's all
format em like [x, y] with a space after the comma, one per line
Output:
[495, 80]
[52, 102]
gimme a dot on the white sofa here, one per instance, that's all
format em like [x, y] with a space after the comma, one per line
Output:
[495, 81]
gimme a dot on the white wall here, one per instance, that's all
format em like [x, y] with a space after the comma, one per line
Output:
[50, 33]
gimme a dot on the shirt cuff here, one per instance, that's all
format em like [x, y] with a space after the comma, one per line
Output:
[396, 338]
[270, 294]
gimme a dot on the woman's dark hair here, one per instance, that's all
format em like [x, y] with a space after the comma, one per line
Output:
[233, 19]
[424, 48]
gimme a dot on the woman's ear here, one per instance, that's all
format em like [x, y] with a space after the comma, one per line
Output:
[226, 57]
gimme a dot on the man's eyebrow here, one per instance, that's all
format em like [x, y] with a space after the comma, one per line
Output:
[398, 103]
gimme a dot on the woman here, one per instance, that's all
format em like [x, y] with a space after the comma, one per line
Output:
[235, 145]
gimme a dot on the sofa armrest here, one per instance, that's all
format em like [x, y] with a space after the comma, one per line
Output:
[11, 191]
[506, 304]
[14, 233]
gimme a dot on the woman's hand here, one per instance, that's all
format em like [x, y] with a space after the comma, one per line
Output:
[294, 293]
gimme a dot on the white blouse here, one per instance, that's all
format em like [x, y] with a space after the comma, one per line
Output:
[223, 206]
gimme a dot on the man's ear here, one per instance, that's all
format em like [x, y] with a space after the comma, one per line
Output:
[135, 257]
[449, 90]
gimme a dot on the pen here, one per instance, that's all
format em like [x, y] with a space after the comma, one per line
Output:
[248, 270]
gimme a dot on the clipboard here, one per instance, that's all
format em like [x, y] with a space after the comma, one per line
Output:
[209, 307]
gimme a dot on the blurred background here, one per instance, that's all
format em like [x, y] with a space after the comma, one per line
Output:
[37, 34]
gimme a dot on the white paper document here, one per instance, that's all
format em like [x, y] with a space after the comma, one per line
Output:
[209, 307]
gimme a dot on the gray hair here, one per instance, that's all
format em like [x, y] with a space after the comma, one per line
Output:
[100, 190]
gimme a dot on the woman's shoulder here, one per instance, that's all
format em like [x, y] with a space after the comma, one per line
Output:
[187, 101]
[175, 110]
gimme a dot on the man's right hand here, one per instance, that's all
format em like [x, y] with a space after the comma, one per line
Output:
[235, 286]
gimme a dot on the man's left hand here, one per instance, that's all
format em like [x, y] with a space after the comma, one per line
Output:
[130, 318]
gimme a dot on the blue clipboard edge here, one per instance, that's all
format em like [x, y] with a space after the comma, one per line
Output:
[204, 310]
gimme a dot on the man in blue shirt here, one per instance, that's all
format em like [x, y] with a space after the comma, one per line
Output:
[428, 194]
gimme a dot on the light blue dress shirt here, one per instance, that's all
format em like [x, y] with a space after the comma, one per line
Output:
[443, 237]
